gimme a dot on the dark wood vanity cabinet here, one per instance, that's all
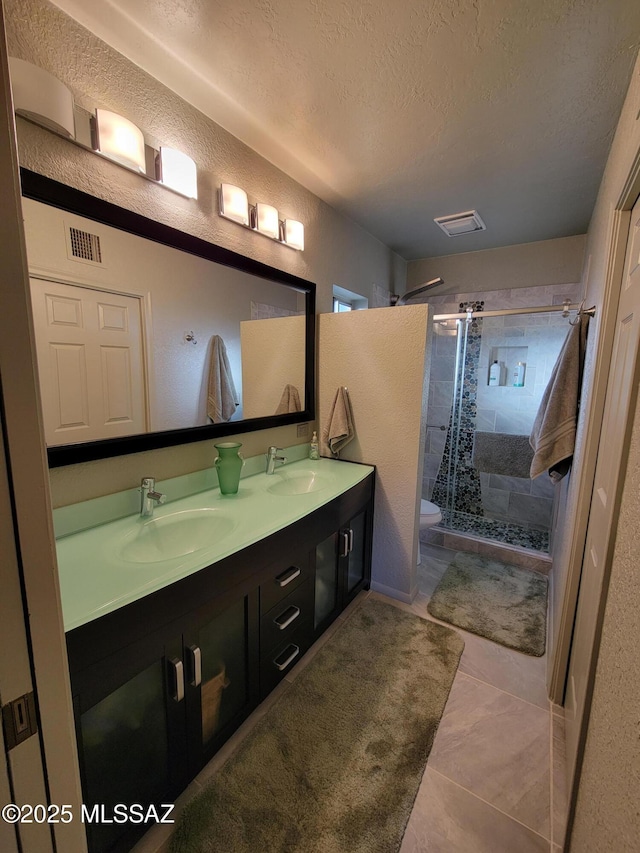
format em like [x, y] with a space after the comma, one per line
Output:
[160, 684]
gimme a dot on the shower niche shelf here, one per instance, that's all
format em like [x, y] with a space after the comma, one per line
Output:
[507, 358]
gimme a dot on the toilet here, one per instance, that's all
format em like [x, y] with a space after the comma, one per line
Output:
[429, 514]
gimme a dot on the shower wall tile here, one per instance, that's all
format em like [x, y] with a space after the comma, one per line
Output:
[431, 464]
[442, 368]
[543, 487]
[486, 420]
[515, 423]
[440, 394]
[436, 439]
[510, 484]
[495, 502]
[438, 415]
[537, 511]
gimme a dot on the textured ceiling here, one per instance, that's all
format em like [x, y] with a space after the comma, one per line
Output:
[396, 111]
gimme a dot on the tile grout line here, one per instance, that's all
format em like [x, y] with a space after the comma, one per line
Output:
[487, 803]
[506, 692]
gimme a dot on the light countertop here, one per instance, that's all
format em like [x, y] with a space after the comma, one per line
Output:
[96, 576]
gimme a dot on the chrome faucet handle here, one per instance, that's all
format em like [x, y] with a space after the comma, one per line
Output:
[148, 496]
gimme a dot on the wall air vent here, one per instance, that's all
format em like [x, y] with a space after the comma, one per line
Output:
[84, 246]
[461, 223]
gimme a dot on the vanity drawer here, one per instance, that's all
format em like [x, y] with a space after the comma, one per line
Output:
[280, 660]
[285, 578]
[286, 617]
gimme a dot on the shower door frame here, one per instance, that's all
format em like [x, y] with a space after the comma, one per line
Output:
[465, 317]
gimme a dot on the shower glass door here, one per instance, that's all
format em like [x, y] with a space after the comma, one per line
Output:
[506, 506]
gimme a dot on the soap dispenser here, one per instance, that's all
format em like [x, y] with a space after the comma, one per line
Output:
[314, 450]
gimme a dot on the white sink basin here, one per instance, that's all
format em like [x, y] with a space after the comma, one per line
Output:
[175, 535]
[298, 483]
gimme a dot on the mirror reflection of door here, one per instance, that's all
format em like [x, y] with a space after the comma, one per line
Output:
[90, 360]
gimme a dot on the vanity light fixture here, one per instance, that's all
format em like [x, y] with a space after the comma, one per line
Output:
[43, 99]
[267, 220]
[294, 234]
[119, 139]
[234, 204]
[260, 217]
[178, 172]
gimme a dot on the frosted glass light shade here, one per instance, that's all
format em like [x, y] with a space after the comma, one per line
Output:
[294, 234]
[178, 172]
[120, 140]
[234, 204]
[267, 221]
[41, 97]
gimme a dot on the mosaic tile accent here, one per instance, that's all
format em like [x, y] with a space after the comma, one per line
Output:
[487, 528]
[464, 494]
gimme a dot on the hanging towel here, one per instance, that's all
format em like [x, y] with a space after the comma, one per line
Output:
[339, 430]
[502, 453]
[554, 429]
[222, 399]
[290, 401]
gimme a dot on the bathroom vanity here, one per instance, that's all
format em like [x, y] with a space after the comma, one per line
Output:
[169, 654]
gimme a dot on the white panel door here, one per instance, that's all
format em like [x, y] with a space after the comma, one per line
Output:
[605, 500]
[90, 361]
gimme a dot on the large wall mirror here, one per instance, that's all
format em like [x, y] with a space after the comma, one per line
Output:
[148, 337]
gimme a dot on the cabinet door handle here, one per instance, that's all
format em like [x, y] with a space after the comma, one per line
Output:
[178, 673]
[293, 612]
[288, 576]
[345, 544]
[283, 664]
[196, 666]
[350, 539]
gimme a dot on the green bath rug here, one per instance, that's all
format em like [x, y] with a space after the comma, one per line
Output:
[336, 762]
[503, 603]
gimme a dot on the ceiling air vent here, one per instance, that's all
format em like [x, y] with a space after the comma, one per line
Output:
[461, 223]
[84, 246]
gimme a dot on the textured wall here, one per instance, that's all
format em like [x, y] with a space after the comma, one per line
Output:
[338, 251]
[380, 356]
[527, 265]
[607, 815]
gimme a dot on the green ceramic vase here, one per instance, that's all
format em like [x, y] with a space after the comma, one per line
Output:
[228, 464]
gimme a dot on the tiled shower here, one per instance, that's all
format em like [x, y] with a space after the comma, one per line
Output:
[513, 510]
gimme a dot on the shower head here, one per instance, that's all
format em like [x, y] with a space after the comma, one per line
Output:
[402, 300]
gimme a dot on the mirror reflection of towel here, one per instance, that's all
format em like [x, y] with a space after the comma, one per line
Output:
[339, 430]
[222, 397]
[290, 401]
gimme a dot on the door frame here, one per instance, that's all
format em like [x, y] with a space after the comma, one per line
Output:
[35, 568]
[618, 235]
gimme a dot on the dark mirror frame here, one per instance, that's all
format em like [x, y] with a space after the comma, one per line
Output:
[48, 191]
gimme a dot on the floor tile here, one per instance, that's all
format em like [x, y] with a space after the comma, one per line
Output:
[496, 746]
[448, 819]
[560, 800]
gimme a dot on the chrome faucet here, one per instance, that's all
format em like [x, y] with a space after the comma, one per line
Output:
[149, 497]
[272, 458]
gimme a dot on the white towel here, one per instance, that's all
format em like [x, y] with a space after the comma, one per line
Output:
[222, 399]
[339, 430]
[554, 429]
[290, 401]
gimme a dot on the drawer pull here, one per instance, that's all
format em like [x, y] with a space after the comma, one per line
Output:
[287, 617]
[196, 666]
[345, 544]
[178, 674]
[292, 655]
[288, 576]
